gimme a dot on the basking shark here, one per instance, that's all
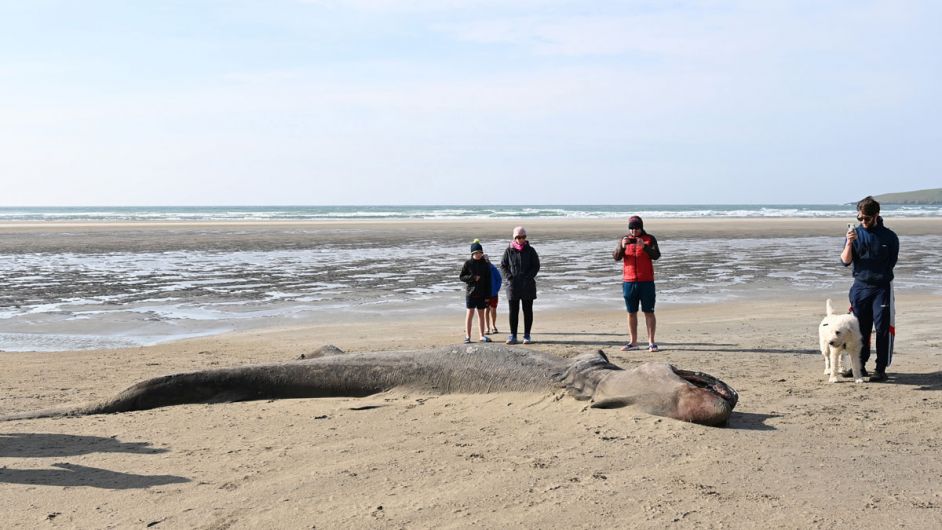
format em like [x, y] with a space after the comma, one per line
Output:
[655, 388]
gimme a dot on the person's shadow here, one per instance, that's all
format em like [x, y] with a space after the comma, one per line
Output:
[667, 347]
[67, 474]
[930, 381]
[45, 445]
[733, 348]
[48, 445]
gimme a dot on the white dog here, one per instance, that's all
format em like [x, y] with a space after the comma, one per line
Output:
[839, 336]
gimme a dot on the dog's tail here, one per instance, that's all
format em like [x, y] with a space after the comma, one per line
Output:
[830, 308]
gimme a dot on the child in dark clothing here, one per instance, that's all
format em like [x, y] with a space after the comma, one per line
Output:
[476, 273]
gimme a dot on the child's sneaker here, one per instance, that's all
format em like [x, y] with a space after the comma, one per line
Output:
[467, 340]
[526, 339]
[485, 339]
[512, 339]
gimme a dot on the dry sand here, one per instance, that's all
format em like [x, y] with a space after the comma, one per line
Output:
[798, 453]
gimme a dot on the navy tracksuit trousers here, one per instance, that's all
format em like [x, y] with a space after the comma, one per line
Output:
[871, 306]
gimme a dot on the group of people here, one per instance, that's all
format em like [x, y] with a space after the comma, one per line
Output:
[520, 264]
[871, 248]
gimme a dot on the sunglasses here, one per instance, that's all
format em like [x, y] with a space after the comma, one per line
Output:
[866, 218]
[520, 237]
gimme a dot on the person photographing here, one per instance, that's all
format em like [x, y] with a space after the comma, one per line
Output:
[873, 250]
[637, 251]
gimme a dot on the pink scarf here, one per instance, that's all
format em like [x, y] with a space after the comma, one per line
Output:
[518, 246]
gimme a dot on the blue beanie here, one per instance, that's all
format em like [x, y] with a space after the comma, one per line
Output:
[476, 246]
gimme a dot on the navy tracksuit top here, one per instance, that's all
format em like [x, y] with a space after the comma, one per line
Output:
[874, 255]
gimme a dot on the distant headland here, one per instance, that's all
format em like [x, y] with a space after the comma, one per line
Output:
[930, 196]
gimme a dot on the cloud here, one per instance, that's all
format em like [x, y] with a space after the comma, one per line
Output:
[480, 89]
[437, 6]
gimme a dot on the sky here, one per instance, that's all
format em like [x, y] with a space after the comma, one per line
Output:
[327, 102]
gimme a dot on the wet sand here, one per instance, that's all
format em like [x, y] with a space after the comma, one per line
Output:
[798, 453]
[168, 236]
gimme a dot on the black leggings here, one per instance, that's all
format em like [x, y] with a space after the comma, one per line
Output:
[527, 316]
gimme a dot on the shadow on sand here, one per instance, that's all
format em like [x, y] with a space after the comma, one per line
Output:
[45, 445]
[930, 381]
[51, 445]
[748, 421]
[667, 347]
[70, 475]
[731, 348]
[621, 338]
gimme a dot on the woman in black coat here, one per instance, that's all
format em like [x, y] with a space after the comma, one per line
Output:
[520, 266]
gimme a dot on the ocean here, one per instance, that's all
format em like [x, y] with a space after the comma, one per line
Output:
[81, 295]
[310, 213]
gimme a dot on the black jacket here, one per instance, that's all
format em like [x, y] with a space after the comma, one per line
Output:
[520, 268]
[482, 287]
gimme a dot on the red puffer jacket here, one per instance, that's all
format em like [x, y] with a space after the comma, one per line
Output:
[638, 261]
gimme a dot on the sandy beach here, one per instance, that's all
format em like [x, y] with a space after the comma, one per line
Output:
[797, 453]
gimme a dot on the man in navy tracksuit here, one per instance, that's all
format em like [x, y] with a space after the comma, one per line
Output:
[873, 249]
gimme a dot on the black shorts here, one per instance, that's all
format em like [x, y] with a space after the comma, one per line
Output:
[474, 302]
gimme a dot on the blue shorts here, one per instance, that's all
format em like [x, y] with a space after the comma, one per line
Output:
[474, 302]
[635, 292]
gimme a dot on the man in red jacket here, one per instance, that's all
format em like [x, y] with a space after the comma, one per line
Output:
[638, 250]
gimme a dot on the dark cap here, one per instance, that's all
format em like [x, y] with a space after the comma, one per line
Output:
[635, 222]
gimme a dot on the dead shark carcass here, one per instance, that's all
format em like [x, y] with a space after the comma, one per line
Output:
[655, 388]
